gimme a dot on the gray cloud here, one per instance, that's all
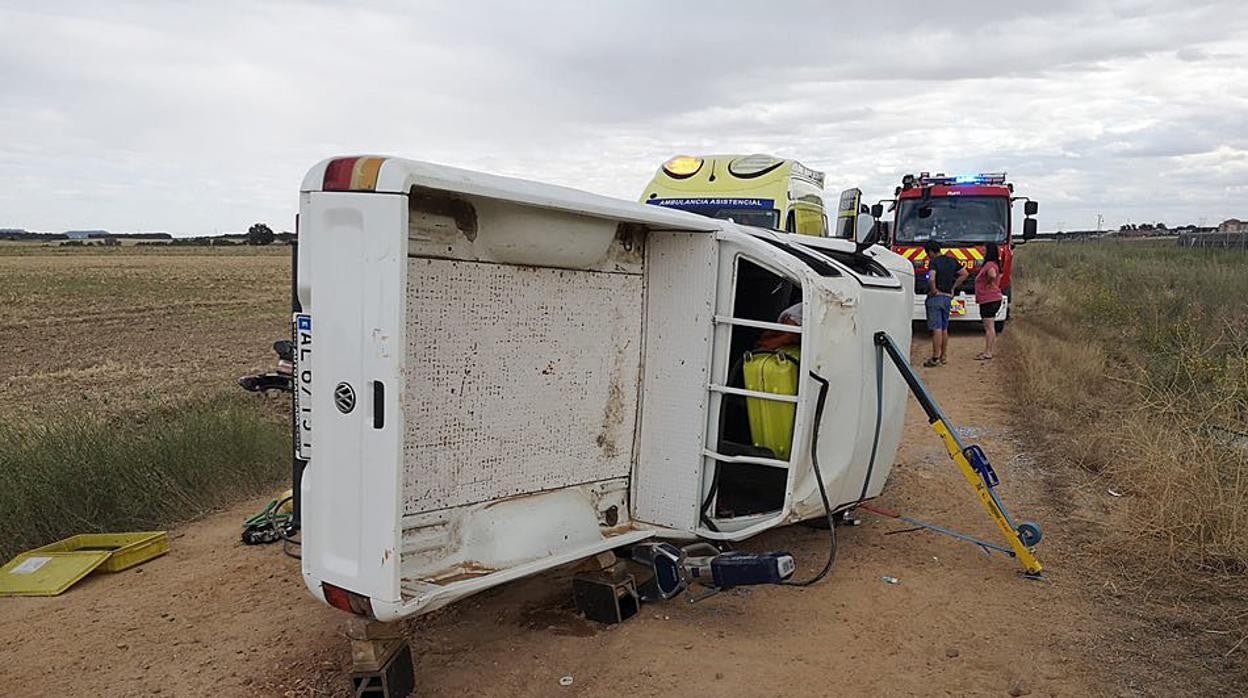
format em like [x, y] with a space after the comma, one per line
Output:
[197, 116]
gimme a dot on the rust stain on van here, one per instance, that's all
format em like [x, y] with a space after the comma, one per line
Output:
[439, 206]
[459, 573]
[628, 249]
[616, 407]
[612, 418]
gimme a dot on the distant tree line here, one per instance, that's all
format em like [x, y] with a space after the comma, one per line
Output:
[1141, 227]
[199, 241]
[101, 242]
[258, 234]
[19, 235]
[283, 238]
[1156, 229]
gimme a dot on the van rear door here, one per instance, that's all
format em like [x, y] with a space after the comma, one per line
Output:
[351, 278]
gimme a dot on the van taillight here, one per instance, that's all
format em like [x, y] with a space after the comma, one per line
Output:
[348, 601]
[352, 174]
[338, 174]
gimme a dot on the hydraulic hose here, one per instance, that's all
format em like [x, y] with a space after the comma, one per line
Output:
[879, 418]
[287, 540]
[823, 492]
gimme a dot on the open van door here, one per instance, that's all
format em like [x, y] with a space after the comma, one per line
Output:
[473, 373]
[847, 213]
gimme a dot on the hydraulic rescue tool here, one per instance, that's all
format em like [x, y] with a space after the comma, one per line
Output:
[676, 569]
[974, 466]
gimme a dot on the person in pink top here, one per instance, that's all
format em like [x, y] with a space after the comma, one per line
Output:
[988, 296]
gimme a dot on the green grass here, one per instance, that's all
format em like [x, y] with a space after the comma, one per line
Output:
[1134, 357]
[90, 474]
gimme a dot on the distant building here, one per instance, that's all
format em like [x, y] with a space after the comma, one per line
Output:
[1232, 225]
[87, 234]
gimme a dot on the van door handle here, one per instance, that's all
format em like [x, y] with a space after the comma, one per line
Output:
[379, 404]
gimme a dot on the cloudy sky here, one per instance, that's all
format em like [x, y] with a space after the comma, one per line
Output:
[195, 117]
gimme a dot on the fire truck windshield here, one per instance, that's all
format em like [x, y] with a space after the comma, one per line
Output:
[953, 219]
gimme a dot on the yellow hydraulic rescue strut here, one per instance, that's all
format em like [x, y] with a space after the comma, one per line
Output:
[975, 467]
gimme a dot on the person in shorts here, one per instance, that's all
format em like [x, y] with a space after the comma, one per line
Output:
[944, 275]
[988, 296]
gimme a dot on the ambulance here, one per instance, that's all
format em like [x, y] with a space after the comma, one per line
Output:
[758, 190]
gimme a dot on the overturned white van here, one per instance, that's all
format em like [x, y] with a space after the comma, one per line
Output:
[496, 377]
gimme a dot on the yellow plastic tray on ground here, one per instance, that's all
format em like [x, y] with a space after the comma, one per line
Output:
[125, 550]
[47, 573]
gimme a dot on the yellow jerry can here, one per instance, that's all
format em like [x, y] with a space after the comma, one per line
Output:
[771, 421]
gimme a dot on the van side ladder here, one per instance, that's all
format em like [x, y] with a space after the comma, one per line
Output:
[971, 461]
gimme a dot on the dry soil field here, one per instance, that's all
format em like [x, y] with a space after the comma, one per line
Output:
[120, 330]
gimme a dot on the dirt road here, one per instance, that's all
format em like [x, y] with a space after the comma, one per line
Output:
[217, 618]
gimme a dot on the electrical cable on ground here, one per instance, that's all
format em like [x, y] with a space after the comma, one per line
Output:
[905, 530]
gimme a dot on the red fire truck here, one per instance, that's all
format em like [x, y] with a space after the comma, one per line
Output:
[962, 214]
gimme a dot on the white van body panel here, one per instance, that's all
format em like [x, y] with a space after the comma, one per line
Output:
[356, 279]
[537, 375]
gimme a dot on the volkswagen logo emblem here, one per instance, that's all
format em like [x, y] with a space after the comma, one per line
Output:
[344, 397]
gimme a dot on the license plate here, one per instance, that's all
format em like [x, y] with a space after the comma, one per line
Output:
[303, 386]
[958, 308]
